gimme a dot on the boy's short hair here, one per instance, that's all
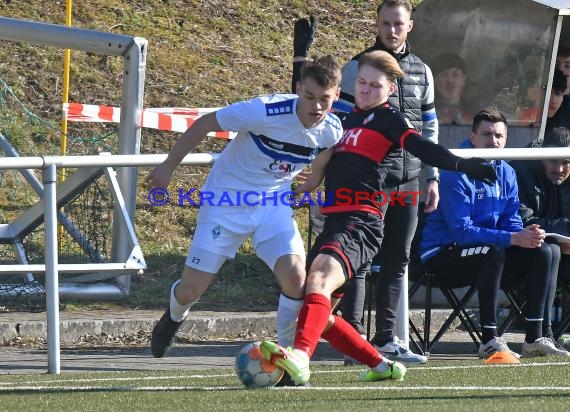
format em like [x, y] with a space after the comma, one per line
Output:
[557, 137]
[490, 115]
[559, 81]
[382, 61]
[324, 70]
[563, 51]
[406, 4]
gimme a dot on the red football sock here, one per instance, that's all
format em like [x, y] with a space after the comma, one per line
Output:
[344, 338]
[312, 321]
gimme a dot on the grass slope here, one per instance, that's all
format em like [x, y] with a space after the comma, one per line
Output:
[201, 54]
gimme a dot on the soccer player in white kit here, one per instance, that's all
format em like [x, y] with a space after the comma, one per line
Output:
[278, 135]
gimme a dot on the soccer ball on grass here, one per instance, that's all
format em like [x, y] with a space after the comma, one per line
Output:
[253, 370]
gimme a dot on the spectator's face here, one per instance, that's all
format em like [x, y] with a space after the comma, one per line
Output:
[372, 88]
[563, 64]
[394, 24]
[314, 101]
[449, 84]
[557, 170]
[490, 135]
[556, 97]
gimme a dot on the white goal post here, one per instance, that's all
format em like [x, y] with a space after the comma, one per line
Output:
[133, 50]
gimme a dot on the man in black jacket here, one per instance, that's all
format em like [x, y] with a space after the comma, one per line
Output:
[542, 201]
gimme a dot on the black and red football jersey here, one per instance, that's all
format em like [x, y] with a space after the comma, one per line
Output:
[354, 179]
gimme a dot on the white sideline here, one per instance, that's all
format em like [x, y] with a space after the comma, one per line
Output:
[303, 388]
[5, 386]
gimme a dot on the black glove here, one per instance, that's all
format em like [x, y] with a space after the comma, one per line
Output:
[304, 36]
[477, 168]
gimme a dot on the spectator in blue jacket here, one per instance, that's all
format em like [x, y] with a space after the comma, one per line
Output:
[477, 233]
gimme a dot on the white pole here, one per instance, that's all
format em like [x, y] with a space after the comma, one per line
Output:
[51, 258]
[205, 159]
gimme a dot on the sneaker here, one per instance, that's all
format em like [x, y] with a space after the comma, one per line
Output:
[395, 373]
[163, 334]
[496, 344]
[295, 362]
[397, 350]
[542, 347]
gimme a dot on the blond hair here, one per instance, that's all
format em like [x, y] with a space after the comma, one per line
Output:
[382, 61]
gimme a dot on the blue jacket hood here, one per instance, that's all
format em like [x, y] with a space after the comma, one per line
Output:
[466, 144]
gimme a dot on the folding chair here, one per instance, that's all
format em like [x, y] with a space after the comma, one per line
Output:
[459, 311]
[563, 326]
[514, 290]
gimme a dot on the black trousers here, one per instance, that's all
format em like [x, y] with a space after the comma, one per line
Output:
[458, 266]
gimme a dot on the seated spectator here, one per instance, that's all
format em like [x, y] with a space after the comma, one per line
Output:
[477, 233]
[554, 121]
[540, 196]
[557, 115]
[450, 79]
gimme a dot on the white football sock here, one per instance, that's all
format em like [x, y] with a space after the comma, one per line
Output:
[383, 366]
[178, 312]
[287, 314]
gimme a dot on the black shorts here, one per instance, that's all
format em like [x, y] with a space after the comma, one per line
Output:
[353, 239]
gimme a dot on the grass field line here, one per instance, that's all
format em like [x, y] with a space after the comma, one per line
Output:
[319, 372]
[70, 388]
[516, 365]
[224, 375]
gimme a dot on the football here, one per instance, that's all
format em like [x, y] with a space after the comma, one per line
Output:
[253, 370]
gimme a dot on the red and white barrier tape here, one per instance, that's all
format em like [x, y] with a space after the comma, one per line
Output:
[176, 119]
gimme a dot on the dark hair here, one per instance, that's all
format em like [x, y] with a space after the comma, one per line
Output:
[325, 70]
[491, 115]
[559, 81]
[383, 61]
[395, 3]
[563, 51]
[557, 137]
[447, 61]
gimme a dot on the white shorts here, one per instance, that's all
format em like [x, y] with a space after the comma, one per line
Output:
[221, 230]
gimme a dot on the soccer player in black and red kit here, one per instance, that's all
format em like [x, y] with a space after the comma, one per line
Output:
[352, 230]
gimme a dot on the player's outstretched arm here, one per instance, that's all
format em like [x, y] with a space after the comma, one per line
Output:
[315, 178]
[437, 155]
[161, 175]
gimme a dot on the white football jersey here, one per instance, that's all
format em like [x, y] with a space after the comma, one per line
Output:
[271, 147]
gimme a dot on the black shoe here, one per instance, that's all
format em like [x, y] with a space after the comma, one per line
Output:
[163, 334]
[287, 381]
